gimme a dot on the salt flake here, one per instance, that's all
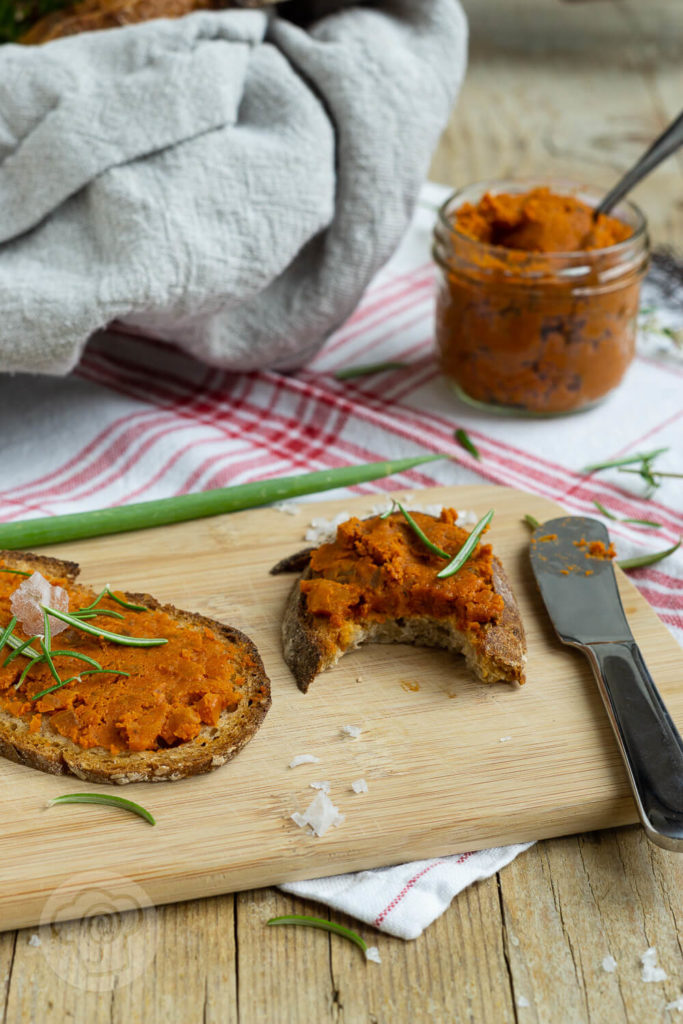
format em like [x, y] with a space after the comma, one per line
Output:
[609, 964]
[505, 739]
[325, 786]
[677, 1004]
[321, 814]
[372, 953]
[353, 731]
[359, 786]
[35, 940]
[522, 1001]
[27, 599]
[303, 759]
[651, 972]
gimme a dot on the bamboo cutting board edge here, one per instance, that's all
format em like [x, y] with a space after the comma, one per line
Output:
[594, 795]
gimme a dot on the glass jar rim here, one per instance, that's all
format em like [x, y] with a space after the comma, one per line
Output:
[639, 234]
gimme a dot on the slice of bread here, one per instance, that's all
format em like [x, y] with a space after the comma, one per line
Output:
[495, 653]
[49, 751]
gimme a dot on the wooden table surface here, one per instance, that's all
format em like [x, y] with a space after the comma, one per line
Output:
[566, 88]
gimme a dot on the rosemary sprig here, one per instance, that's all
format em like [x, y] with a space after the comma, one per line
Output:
[466, 442]
[368, 368]
[643, 560]
[420, 533]
[143, 515]
[610, 515]
[319, 922]
[653, 472]
[628, 460]
[85, 672]
[468, 547]
[115, 638]
[107, 800]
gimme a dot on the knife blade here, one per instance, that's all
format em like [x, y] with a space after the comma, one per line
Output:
[580, 592]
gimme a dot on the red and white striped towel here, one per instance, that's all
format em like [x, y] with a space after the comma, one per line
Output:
[139, 420]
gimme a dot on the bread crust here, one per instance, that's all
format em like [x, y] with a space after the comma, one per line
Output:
[214, 746]
[495, 654]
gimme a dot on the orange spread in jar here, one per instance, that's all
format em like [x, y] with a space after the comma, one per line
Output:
[538, 221]
[172, 691]
[378, 569]
[535, 310]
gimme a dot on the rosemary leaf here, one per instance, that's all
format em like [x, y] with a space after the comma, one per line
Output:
[45, 644]
[16, 572]
[420, 533]
[468, 547]
[364, 371]
[77, 654]
[106, 799]
[643, 560]
[531, 521]
[466, 442]
[125, 604]
[19, 648]
[8, 631]
[86, 672]
[27, 669]
[146, 514]
[107, 612]
[319, 922]
[639, 522]
[115, 638]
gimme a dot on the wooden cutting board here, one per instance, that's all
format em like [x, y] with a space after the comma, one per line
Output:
[451, 764]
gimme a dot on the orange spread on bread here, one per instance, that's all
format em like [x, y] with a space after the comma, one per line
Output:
[378, 569]
[171, 692]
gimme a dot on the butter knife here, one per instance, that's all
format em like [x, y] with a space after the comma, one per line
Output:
[581, 596]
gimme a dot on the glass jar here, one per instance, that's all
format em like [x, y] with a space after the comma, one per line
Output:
[540, 333]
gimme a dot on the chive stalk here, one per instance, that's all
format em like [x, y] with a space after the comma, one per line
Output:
[147, 514]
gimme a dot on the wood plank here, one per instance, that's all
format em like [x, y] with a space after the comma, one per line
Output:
[571, 902]
[560, 773]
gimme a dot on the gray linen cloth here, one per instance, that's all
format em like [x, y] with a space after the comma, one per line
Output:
[229, 181]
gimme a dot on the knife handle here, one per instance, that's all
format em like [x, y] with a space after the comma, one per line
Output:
[649, 741]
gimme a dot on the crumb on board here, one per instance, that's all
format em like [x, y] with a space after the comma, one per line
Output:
[303, 759]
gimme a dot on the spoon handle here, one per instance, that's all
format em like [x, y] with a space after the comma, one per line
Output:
[663, 146]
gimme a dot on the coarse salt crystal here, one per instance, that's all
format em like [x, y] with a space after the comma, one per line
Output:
[35, 940]
[359, 786]
[321, 814]
[303, 759]
[514, 940]
[372, 953]
[651, 972]
[522, 1001]
[353, 731]
[609, 964]
[322, 530]
[325, 786]
[676, 1005]
[505, 739]
[27, 599]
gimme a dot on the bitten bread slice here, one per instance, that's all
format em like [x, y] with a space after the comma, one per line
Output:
[51, 752]
[496, 652]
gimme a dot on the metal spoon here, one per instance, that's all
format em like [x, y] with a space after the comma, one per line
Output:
[663, 146]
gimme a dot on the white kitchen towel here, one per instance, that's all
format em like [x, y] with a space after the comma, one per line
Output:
[403, 900]
[229, 180]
